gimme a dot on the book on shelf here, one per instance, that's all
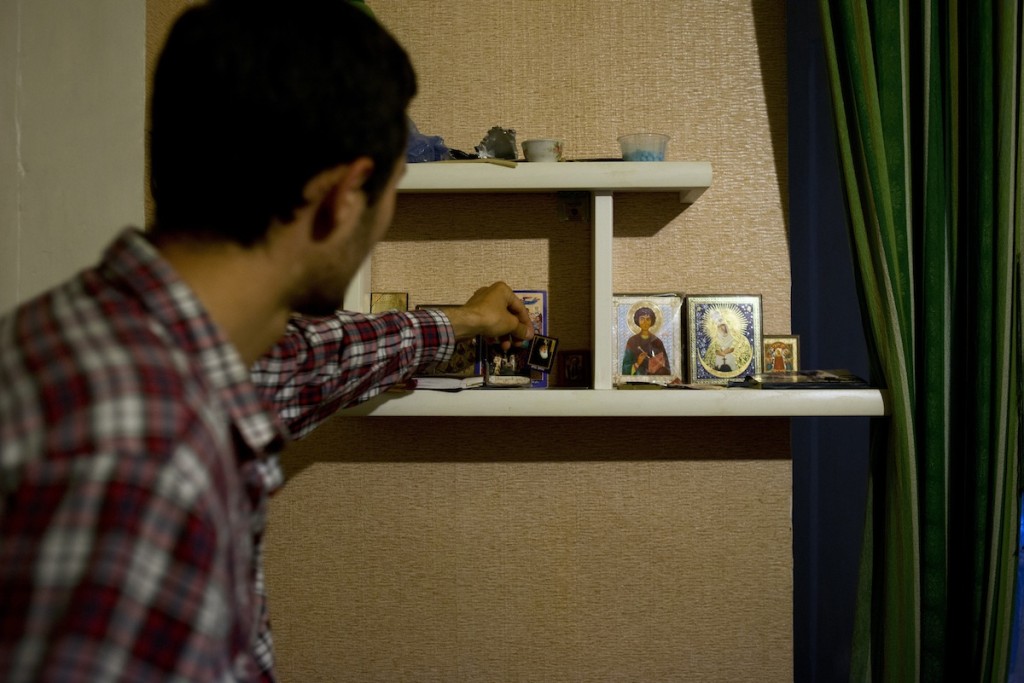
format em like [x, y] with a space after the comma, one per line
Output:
[804, 379]
[447, 382]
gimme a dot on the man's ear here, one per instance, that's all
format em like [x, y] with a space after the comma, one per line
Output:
[339, 196]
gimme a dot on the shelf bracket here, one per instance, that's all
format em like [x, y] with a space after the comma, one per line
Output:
[601, 211]
[357, 295]
[690, 194]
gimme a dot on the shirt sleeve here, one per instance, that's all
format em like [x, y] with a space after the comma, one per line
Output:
[324, 364]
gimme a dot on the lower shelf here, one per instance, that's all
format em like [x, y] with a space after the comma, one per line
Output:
[609, 403]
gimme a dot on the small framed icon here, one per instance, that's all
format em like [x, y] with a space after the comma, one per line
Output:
[648, 339]
[542, 353]
[724, 335]
[781, 353]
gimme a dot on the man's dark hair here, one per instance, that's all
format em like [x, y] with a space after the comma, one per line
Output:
[252, 98]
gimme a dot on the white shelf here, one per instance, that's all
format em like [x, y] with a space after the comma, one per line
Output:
[735, 402]
[689, 178]
[601, 179]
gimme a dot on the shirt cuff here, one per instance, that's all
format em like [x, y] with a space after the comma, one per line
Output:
[445, 333]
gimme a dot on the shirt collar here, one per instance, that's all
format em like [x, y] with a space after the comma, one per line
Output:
[133, 264]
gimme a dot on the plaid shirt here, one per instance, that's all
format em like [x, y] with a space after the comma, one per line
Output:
[137, 454]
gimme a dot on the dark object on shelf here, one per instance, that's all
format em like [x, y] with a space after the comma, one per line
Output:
[459, 155]
[574, 368]
[499, 143]
[803, 379]
[422, 147]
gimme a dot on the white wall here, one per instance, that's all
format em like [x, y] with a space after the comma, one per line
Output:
[72, 118]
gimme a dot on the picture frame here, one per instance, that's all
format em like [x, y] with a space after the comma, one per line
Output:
[647, 343]
[536, 302]
[724, 337]
[388, 301]
[508, 367]
[542, 353]
[781, 353]
[467, 358]
[574, 368]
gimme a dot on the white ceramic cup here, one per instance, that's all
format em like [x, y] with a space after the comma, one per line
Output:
[542, 150]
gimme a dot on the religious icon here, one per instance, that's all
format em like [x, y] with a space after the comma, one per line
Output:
[507, 367]
[782, 353]
[724, 337]
[647, 339]
[542, 353]
[466, 358]
[536, 302]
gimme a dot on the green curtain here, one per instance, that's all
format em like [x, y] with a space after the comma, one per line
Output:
[927, 97]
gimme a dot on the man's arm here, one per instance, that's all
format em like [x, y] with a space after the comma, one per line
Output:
[323, 365]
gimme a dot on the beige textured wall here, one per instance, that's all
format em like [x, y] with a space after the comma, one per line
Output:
[591, 550]
[554, 549]
[710, 74]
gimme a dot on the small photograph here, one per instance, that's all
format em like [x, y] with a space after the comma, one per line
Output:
[648, 339]
[781, 353]
[507, 367]
[724, 334]
[574, 368]
[542, 353]
[388, 301]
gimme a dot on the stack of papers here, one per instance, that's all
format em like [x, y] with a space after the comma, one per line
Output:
[448, 382]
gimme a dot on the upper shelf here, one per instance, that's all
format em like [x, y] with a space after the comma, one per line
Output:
[689, 178]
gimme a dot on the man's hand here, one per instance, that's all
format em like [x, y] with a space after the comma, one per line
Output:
[493, 311]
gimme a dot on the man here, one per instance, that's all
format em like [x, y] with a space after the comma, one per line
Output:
[142, 403]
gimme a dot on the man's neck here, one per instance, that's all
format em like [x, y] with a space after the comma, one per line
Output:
[239, 288]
